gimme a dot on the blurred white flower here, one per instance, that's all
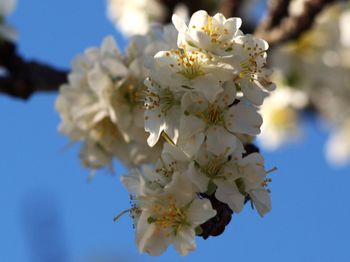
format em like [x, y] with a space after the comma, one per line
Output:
[280, 112]
[7, 32]
[338, 145]
[296, 7]
[102, 105]
[344, 22]
[135, 16]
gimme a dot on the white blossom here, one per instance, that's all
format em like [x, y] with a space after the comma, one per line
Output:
[338, 145]
[170, 217]
[101, 105]
[135, 16]
[253, 75]
[214, 34]
[7, 32]
[280, 112]
[202, 97]
[216, 122]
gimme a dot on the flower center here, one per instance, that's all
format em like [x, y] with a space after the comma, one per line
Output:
[284, 118]
[168, 216]
[190, 64]
[132, 93]
[166, 170]
[213, 115]
[163, 98]
[105, 129]
[215, 33]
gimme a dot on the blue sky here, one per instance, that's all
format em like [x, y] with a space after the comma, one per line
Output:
[50, 212]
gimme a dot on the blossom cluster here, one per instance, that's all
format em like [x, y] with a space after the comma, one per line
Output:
[6, 31]
[315, 69]
[102, 103]
[203, 98]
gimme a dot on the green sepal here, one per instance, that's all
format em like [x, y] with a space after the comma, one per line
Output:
[211, 188]
[198, 230]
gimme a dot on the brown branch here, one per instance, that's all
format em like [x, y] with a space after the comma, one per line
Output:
[293, 26]
[230, 8]
[23, 78]
[277, 10]
[192, 5]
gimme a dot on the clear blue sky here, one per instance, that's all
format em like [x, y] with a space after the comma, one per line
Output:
[49, 212]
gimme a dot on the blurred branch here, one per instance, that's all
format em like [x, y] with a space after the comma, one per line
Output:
[277, 10]
[192, 5]
[292, 27]
[230, 8]
[23, 78]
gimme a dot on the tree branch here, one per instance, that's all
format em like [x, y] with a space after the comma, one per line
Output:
[293, 26]
[23, 78]
[230, 8]
[192, 5]
[277, 10]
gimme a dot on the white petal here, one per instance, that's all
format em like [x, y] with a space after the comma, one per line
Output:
[199, 19]
[261, 200]
[200, 211]
[114, 67]
[184, 241]
[233, 24]
[183, 196]
[228, 193]
[179, 23]
[150, 242]
[253, 92]
[109, 46]
[198, 178]
[98, 80]
[154, 125]
[244, 119]
[191, 125]
[219, 141]
[208, 85]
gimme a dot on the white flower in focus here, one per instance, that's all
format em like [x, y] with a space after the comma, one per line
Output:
[214, 34]
[254, 182]
[234, 177]
[171, 217]
[216, 123]
[6, 31]
[192, 70]
[219, 171]
[280, 112]
[253, 76]
[338, 145]
[162, 110]
[135, 16]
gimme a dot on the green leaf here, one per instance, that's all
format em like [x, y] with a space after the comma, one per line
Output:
[198, 230]
[211, 188]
